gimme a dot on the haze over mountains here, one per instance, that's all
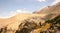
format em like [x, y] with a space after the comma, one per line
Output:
[45, 14]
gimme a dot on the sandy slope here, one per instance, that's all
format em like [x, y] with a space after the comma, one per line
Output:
[14, 21]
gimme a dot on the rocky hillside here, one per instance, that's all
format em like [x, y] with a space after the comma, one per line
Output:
[14, 21]
[46, 20]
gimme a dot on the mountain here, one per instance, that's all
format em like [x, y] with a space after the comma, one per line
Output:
[36, 20]
[43, 10]
[50, 11]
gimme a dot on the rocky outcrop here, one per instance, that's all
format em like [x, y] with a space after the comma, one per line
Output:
[29, 25]
[54, 25]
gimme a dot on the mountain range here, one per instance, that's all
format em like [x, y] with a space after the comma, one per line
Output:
[44, 14]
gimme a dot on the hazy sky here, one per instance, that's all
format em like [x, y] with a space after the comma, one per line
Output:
[11, 7]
